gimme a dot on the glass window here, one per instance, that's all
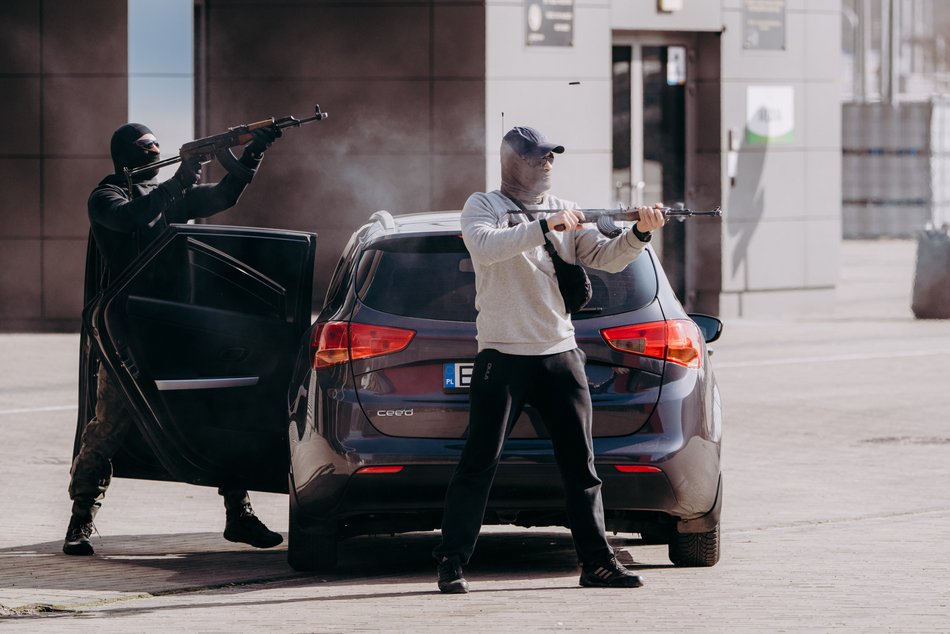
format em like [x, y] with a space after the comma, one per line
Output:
[161, 71]
[622, 292]
[433, 278]
[430, 278]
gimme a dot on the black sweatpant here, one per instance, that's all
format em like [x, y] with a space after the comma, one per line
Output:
[501, 385]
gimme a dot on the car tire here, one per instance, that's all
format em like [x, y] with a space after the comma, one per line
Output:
[695, 549]
[311, 548]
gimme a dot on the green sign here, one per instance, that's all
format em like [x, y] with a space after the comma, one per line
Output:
[770, 115]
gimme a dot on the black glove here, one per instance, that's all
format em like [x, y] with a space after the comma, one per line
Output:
[263, 138]
[188, 172]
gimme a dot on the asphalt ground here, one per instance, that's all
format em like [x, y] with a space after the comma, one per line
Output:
[836, 459]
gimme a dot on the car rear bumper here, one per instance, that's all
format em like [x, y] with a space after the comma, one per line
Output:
[329, 481]
[521, 494]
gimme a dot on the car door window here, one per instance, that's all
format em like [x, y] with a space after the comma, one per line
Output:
[428, 278]
[433, 278]
[220, 281]
[202, 330]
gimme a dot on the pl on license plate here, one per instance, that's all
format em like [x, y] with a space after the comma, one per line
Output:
[456, 377]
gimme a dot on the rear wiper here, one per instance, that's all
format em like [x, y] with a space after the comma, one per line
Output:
[589, 309]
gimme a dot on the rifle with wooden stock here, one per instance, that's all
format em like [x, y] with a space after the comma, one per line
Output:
[219, 145]
[606, 219]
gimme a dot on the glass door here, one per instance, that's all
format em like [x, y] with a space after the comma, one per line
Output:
[650, 134]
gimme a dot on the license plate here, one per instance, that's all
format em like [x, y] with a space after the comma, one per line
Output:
[456, 377]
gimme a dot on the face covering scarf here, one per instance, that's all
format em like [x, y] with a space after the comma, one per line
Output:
[126, 153]
[524, 179]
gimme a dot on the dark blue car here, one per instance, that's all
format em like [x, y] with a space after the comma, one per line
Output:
[362, 415]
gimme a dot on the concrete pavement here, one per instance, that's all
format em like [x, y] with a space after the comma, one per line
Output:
[837, 507]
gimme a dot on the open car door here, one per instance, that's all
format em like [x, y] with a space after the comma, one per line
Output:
[201, 334]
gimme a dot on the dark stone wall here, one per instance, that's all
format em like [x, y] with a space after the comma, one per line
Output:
[63, 77]
[404, 86]
[404, 83]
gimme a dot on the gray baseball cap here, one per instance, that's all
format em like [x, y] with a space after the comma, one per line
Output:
[530, 143]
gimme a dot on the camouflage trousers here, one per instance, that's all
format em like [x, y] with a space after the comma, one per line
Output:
[91, 471]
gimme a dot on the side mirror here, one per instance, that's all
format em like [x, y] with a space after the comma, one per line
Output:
[710, 326]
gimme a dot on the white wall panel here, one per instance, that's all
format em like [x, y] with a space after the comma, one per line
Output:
[755, 65]
[644, 16]
[822, 251]
[532, 85]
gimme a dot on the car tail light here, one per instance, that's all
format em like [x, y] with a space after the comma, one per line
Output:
[675, 340]
[636, 468]
[380, 470]
[338, 342]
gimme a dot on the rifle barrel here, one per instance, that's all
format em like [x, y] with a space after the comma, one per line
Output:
[293, 121]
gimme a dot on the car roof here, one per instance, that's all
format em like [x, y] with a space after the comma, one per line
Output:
[383, 223]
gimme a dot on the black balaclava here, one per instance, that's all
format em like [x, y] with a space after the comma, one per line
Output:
[522, 166]
[125, 153]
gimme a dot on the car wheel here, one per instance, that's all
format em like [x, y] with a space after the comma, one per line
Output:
[311, 548]
[695, 549]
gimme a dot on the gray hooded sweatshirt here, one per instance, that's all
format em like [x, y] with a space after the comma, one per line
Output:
[520, 309]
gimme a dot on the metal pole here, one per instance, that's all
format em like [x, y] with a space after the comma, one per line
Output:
[861, 49]
[887, 53]
[853, 22]
[894, 51]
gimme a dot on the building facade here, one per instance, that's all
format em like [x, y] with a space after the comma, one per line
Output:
[733, 103]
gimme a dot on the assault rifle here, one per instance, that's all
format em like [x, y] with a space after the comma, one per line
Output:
[219, 145]
[605, 218]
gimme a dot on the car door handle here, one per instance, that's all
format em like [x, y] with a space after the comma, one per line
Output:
[170, 385]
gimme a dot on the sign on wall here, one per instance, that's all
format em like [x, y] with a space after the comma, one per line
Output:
[549, 22]
[763, 25]
[676, 66]
[770, 114]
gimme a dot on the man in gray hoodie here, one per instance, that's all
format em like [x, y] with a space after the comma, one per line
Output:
[527, 352]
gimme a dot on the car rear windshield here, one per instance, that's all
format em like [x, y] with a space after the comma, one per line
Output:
[432, 277]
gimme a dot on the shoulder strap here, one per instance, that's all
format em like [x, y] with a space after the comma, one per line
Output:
[517, 203]
[550, 248]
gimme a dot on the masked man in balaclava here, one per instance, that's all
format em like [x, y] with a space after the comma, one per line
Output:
[527, 352]
[123, 223]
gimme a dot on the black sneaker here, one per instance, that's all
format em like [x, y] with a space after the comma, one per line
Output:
[451, 580]
[247, 529]
[77, 537]
[609, 574]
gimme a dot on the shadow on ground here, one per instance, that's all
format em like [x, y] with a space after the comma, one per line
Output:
[156, 564]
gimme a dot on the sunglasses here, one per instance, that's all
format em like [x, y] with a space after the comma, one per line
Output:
[147, 144]
[539, 162]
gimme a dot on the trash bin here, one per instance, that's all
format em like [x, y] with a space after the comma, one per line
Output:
[931, 297]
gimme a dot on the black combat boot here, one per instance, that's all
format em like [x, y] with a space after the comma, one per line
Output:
[77, 536]
[244, 527]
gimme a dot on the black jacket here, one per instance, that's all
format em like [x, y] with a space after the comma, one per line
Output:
[123, 225]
